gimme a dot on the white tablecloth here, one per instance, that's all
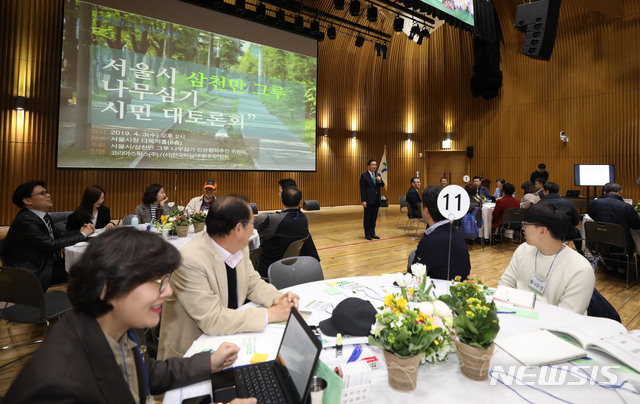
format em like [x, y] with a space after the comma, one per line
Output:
[444, 382]
[73, 253]
[487, 219]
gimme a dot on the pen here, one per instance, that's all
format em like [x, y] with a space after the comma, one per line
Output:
[338, 345]
[507, 312]
[355, 354]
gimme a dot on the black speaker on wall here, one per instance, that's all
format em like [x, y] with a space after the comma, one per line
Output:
[538, 20]
[470, 152]
[311, 205]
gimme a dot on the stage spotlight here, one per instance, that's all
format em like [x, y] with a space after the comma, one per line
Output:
[378, 49]
[398, 24]
[338, 4]
[415, 30]
[261, 12]
[354, 8]
[424, 33]
[298, 23]
[372, 14]
[359, 41]
[280, 17]
[384, 51]
[331, 32]
[314, 27]
[240, 4]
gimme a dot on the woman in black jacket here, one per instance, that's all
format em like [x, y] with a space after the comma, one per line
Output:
[91, 210]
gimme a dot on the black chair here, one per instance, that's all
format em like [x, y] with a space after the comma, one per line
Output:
[413, 223]
[609, 241]
[412, 256]
[30, 304]
[600, 307]
[294, 271]
[294, 248]
[403, 205]
[511, 220]
[126, 221]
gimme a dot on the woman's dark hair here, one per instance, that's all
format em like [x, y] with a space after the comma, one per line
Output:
[89, 198]
[117, 262]
[549, 216]
[501, 180]
[471, 189]
[151, 194]
[528, 187]
[226, 212]
[508, 189]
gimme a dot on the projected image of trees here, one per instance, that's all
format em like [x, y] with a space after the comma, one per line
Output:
[137, 92]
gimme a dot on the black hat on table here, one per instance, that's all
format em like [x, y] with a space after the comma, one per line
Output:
[352, 316]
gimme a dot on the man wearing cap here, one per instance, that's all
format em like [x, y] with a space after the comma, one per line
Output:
[203, 203]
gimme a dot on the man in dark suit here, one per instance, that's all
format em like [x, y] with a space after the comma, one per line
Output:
[611, 208]
[552, 197]
[414, 199]
[433, 249]
[33, 243]
[370, 184]
[278, 230]
[540, 172]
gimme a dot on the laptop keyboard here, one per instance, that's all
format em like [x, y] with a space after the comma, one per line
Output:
[260, 382]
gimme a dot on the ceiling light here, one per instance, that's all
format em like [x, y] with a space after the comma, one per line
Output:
[354, 8]
[314, 27]
[359, 41]
[372, 14]
[298, 23]
[280, 17]
[338, 4]
[398, 24]
[331, 32]
[261, 12]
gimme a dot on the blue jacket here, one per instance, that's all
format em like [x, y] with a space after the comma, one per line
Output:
[432, 252]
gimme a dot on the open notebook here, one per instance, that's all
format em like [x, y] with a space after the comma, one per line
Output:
[540, 348]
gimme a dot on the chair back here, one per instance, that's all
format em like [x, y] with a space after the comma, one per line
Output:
[294, 271]
[403, 202]
[605, 233]
[254, 256]
[410, 213]
[23, 288]
[126, 221]
[294, 248]
[513, 216]
[412, 256]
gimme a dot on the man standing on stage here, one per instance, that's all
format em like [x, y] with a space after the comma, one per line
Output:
[370, 184]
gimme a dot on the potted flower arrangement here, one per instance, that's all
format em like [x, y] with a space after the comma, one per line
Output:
[181, 224]
[407, 328]
[198, 219]
[476, 324]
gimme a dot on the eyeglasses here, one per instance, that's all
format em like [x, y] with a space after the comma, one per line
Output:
[163, 282]
[43, 193]
[525, 224]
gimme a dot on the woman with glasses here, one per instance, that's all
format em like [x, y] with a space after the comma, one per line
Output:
[96, 353]
[91, 210]
[154, 204]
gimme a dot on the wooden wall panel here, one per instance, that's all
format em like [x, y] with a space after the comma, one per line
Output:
[590, 89]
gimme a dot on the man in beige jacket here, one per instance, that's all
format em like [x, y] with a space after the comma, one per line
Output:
[215, 278]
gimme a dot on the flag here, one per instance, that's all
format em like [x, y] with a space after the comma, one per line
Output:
[383, 167]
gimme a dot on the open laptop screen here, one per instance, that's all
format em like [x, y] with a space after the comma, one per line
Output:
[298, 353]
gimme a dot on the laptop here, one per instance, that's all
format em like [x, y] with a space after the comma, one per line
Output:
[285, 380]
[573, 193]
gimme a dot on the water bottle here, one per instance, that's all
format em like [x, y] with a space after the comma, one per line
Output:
[134, 222]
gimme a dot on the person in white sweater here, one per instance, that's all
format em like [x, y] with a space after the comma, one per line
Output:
[556, 273]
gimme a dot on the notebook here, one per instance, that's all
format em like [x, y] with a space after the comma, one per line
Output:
[517, 297]
[540, 348]
[291, 371]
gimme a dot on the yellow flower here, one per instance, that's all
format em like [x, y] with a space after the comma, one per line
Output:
[470, 314]
[435, 341]
[388, 300]
[402, 303]
[431, 327]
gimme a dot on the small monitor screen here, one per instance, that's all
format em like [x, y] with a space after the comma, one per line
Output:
[588, 175]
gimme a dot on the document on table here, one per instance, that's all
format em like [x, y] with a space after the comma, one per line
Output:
[250, 346]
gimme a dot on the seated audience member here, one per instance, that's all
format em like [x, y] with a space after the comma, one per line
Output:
[203, 203]
[565, 276]
[540, 172]
[612, 209]
[530, 195]
[538, 184]
[565, 205]
[154, 204]
[498, 192]
[91, 210]
[33, 242]
[280, 229]
[413, 198]
[432, 249]
[474, 200]
[444, 182]
[215, 278]
[504, 203]
[93, 354]
[481, 191]
[284, 183]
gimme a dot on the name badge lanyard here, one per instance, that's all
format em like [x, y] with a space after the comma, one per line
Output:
[150, 399]
[537, 283]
